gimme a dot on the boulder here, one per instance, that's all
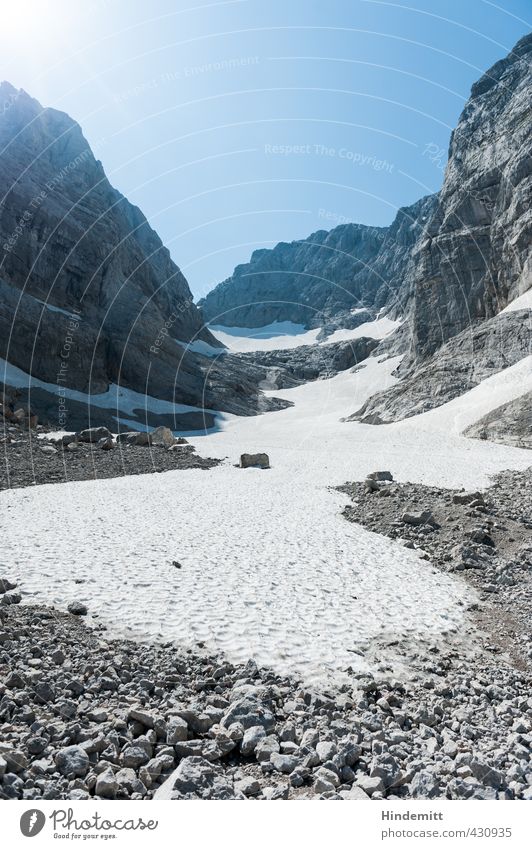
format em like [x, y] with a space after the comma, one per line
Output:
[72, 759]
[196, 778]
[134, 437]
[420, 517]
[77, 608]
[162, 436]
[93, 434]
[260, 461]
[380, 476]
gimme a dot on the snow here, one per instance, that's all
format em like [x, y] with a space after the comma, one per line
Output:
[378, 329]
[270, 337]
[523, 302]
[198, 346]
[285, 334]
[270, 568]
[116, 397]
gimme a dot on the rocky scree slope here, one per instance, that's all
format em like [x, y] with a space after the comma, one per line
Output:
[84, 278]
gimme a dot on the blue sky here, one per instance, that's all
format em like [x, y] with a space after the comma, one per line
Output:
[235, 125]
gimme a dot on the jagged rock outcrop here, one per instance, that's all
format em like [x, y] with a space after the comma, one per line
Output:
[476, 255]
[89, 296]
[292, 366]
[314, 281]
[461, 364]
[510, 424]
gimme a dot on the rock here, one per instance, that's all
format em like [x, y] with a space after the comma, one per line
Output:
[10, 598]
[134, 437]
[370, 785]
[44, 692]
[468, 497]
[14, 759]
[486, 774]
[106, 785]
[138, 714]
[48, 450]
[162, 436]
[196, 777]
[77, 608]
[356, 794]
[252, 736]
[249, 712]
[380, 476]
[58, 657]
[6, 585]
[416, 518]
[134, 756]
[176, 730]
[326, 750]
[72, 760]
[106, 444]
[94, 434]
[248, 786]
[283, 763]
[261, 461]
[14, 681]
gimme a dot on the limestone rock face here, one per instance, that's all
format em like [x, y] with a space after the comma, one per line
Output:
[461, 364]
[313, 281]
[89, 295]
[510, 424]
[476, 255]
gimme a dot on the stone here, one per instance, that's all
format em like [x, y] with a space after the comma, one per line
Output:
[196, 777]
[134, 756]
[420, 517]
[72, 759]
[6, 585]
[77, 608]
[106, 444]
[468, 497]
[283, 763]
[326, 750]
[260, 461]
[9, 598]
[106, 785]
[94, 434]
[370, 785]
[252, 736]
[380, 476]
[176, 730]
[162, 436]
[249, 712]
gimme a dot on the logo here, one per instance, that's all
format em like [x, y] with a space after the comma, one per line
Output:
[32, 822]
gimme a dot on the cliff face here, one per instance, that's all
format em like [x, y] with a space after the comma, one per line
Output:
[476, 256]
[314, 280]
[447, 262]
[89, 296]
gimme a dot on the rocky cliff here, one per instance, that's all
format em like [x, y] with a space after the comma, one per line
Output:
[315, 281]
[89, 296]
[476, 255]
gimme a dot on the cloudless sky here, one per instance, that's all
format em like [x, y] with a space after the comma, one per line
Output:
[235, 125]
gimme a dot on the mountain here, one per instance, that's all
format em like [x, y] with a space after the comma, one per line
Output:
[447, 266]
[476, 255]
[313, 281]
[90, 298]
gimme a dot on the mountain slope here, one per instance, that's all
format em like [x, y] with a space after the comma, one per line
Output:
[89, 296]
[314, 281]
